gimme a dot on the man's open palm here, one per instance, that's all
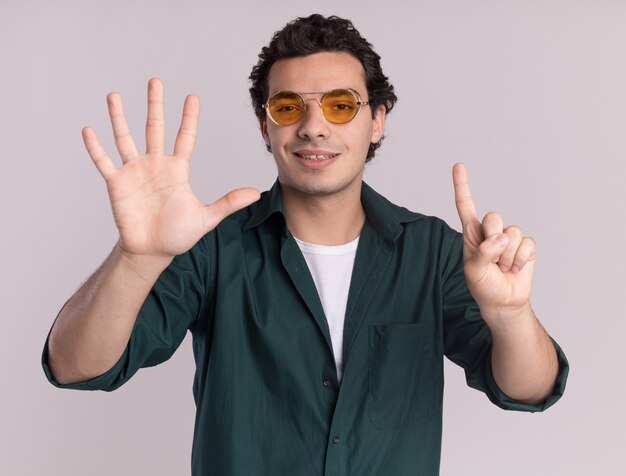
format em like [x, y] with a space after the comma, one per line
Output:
[155, 210]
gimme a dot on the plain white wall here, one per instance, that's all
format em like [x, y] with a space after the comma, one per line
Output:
[530, 94]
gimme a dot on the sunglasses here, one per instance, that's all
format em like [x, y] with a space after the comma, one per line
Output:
[338, 106]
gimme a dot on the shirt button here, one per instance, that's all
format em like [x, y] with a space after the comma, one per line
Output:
[336, 440]
[327, 383]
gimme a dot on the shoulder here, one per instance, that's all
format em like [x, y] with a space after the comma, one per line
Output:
[382, 210]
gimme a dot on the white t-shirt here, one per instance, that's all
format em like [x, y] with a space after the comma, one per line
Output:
[331, 269]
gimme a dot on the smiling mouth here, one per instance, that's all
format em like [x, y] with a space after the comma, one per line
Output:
[316, 156]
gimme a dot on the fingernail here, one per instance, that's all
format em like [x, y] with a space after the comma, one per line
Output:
[515, 268]
[503, 268]
[502, 240]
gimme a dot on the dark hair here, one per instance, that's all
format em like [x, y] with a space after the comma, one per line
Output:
[316, 34]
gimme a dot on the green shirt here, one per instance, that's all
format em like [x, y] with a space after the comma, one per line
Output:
[268, 401]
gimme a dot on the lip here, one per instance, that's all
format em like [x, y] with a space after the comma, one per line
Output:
[315, 163]
[314, 152]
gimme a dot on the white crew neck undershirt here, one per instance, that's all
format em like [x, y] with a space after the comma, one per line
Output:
[331, 270]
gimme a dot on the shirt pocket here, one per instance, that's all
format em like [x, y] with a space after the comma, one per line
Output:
[404, 375]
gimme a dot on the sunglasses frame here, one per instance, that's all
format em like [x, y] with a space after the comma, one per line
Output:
[360, 103]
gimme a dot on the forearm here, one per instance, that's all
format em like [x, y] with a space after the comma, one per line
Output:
[93, 328]
[524, 361]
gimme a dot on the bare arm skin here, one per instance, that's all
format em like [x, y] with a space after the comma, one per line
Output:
[93, 328]
[157, 216]
[499, 265]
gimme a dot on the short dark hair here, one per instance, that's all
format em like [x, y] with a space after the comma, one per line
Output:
[316, 34]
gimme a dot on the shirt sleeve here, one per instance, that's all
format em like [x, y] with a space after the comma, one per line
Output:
[173, 305]
[467, 340]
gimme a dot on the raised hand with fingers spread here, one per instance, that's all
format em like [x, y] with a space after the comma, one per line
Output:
[158, 217]
[155, 210]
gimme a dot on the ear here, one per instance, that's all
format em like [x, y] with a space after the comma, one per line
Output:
[263, 129]
[379, 124]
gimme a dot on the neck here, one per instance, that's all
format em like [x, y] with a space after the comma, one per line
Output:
[325, 220]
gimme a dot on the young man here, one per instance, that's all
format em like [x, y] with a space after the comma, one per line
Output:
[320, 312]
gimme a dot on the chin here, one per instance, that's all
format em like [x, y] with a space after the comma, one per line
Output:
[320, 188]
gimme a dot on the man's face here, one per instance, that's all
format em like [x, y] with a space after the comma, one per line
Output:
[297, 148]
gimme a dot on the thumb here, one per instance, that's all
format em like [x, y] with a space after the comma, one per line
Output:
[228, 204]
[490, 250]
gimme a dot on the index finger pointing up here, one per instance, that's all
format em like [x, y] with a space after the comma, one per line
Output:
[462, 196]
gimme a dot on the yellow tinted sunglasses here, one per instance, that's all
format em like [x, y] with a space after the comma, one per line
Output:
[338, 106]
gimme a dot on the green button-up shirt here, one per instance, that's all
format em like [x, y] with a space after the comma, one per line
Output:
[268, 400]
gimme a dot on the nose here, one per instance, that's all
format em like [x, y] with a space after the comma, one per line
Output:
[313, 124]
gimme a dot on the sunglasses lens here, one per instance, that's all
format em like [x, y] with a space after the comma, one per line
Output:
[340, 106]
[285, 108]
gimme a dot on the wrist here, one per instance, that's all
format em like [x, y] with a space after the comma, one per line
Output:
[148, 267]
[507, 316]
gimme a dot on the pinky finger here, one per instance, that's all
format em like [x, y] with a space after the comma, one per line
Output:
[97, 153]
[525, 253]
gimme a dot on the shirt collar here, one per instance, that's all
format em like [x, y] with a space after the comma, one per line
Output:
[385, 217]
[270, 202]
